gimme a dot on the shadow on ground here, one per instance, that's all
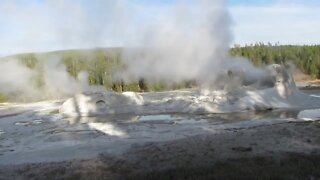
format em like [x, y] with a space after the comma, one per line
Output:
[279, 151]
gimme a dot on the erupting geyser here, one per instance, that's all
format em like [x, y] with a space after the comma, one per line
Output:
[191, 41]
[275, 90]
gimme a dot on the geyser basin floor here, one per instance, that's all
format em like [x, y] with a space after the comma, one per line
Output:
[275, 90]
[35, 141]
[42, 136]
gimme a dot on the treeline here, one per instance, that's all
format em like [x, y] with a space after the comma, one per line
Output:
[104, 66]
[306, 58]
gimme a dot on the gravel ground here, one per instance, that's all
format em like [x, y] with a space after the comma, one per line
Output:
[288, 150]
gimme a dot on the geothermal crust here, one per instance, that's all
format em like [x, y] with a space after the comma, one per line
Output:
[275, 90]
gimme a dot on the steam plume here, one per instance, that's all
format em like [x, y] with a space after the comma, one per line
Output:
[20, 83]
[188, 41]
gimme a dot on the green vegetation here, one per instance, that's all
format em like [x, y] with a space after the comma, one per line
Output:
[104, 66]
[29, 60]
[306, 58]
[3, 98]
[56, 111]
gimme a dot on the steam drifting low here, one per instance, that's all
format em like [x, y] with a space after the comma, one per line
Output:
[186, 40]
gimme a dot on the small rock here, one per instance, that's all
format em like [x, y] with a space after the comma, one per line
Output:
[242, 149]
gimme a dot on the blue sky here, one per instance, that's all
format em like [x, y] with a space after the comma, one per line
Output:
[44, 25]
[289, 22]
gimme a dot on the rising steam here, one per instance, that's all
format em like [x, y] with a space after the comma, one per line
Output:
[15, 79]
[21, 83]
[186, 41]
[58, 82]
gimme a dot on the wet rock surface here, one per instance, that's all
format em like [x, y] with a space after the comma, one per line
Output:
[168, 135]
[262, 146]
[275, 90]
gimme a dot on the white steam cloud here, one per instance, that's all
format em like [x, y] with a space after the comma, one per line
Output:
[58, 82]
[188, 41]
[15, 79]
[19, 83]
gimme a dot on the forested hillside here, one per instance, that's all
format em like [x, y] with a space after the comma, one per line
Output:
[306, 58]
[104, 67]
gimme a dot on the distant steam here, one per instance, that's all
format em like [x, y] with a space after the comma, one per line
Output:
[58, 82]
[16, 79]
[18, 82]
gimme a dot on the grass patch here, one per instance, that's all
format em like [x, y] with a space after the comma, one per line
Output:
[56, 111]
[3, 98]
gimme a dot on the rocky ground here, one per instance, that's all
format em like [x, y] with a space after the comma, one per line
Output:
[36, 142]
[284, 150]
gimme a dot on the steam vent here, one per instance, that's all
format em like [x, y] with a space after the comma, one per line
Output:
[276, 90]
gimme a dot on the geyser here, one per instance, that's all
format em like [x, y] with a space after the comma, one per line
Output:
[276, 90]
[190, 41]
[185, 40]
